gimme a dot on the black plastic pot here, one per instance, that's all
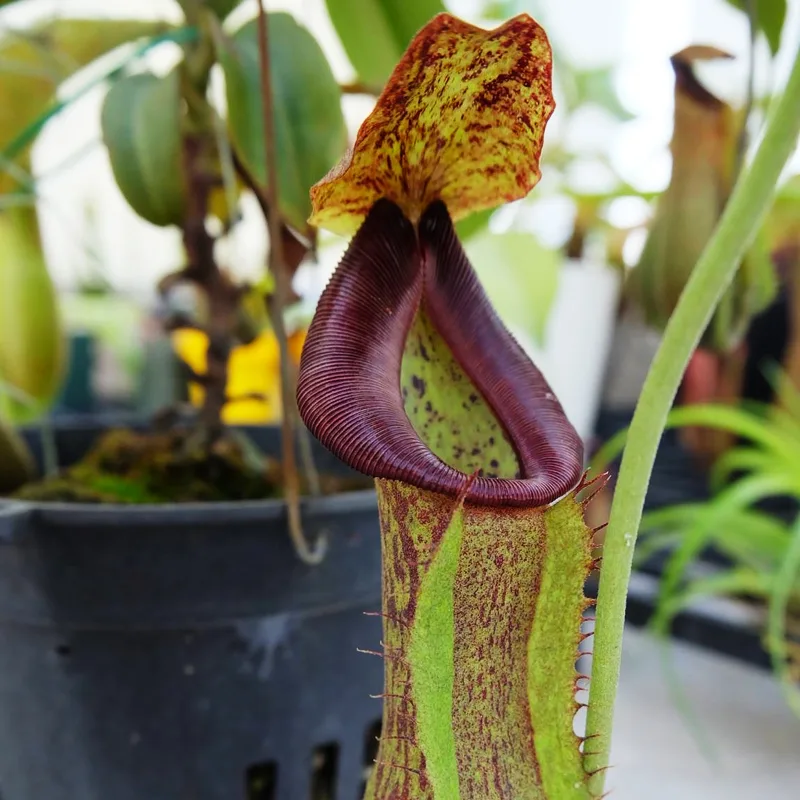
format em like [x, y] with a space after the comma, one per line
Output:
[184, 652]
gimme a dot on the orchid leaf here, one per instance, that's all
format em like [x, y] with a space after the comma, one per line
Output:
[309, 125]
[375, 33]
[461, 120]
[141, 122]
[520, 276]
[770, 17]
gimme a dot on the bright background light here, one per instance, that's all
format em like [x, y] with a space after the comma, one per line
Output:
[87, 225]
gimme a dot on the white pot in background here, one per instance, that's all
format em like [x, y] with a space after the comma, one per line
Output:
[578, 337]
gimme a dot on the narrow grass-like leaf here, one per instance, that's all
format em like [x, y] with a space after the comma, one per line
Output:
[740, 496]
[785, 587]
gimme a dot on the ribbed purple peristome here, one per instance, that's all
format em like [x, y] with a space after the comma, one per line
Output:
[349, 387]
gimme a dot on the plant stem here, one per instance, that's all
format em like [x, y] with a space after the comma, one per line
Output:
[291, 480]
[717, 265]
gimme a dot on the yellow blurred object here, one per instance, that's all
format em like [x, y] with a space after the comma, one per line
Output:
[32, 347]
[254, 369]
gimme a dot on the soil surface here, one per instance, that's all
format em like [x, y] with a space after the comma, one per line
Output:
[129, 467]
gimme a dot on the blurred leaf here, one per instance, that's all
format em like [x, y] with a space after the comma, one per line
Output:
[596, 86]
[738, 497]
[741, 581]
[500, 9]
[376, 33]
[39, 59]
[771, 14]
[782, 225]
[310, 129]
[32, 352]
[519, 275]
[223, 7]
[785, 589]
[474, 224]
[142, 131]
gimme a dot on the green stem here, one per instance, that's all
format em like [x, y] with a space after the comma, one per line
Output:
[714, 271]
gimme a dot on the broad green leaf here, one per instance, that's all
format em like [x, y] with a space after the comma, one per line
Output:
[35, 61]
[461, 120]
[771, 14]
[519, 275]
[141, 123]
[376, 33]
[32, 351]
[309, 126]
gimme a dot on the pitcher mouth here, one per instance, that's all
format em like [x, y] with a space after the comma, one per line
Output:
[349, 391]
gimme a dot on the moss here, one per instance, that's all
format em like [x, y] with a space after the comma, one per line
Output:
[164, 467]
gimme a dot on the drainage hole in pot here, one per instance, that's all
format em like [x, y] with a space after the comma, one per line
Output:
[371, 739]
[261, 781]
[324, 766]
[63, 650]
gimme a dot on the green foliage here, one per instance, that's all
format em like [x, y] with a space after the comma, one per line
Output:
[309, 126]
[594, 86]
[759, 545]
[36, 61]
[142, 132]
[473, 224]
[770, 14]
[222, 7]
[520, 276]
[32, 352]
[375, 33]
